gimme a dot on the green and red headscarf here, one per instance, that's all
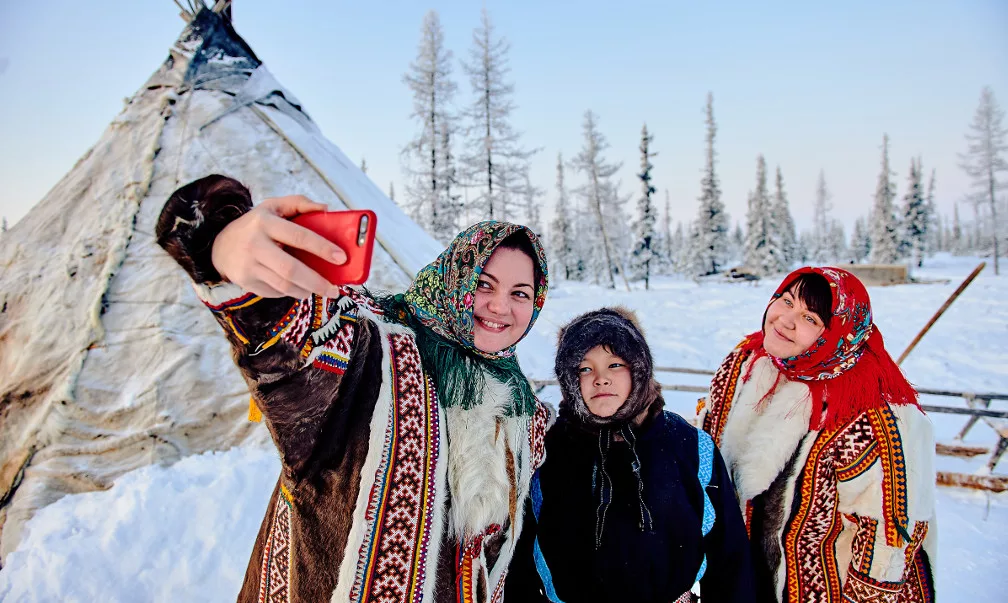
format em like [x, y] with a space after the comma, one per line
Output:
[439, 306]
[847, 369]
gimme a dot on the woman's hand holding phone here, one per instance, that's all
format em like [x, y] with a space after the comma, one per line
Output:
[252, 252]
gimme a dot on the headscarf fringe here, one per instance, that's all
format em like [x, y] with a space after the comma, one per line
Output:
[874, 381]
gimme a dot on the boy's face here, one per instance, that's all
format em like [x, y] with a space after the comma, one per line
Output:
[605, 381]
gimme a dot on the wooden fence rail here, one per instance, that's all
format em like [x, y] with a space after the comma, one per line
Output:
[978, 409]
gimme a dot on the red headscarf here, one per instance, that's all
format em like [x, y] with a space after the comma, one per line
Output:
[847, 369]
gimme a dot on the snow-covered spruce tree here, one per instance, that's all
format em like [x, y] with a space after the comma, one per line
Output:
[669, 252]
[803, 249]
[761, 253]
[783, 226]
[679, 248]
[600, 193]
[836, 244]
[956, 242]
[884, 235]
[363, 165]
[915, 219]
[709, 234]
[736, 244]
[562, 241]
[429, 79]
[494, 158]
[821, 222]
[860, 243]
[985, 158]
[934, 221]
[391, 191]
[643, 258]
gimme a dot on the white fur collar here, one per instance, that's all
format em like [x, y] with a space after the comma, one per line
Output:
[477, 461]
[758, 442]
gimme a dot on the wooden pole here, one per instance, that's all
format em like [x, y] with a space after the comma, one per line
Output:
[937, 315]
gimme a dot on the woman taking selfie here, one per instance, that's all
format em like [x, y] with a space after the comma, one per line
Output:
[406, 430]
[830, 453]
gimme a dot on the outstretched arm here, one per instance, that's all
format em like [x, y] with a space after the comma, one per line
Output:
[296, 338]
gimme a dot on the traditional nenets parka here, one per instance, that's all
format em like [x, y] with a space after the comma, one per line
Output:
[832, 458]
[405, 450]
[622, 511]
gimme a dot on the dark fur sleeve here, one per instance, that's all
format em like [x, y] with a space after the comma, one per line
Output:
[193, 217]
[306, 361]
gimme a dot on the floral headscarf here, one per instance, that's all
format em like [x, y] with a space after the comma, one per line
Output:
[439, 306]
[847, 369]
[442, 294]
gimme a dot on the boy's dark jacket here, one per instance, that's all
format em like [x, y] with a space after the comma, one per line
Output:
[630, 564]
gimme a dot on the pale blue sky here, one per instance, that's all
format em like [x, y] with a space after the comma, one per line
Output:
[811, 87]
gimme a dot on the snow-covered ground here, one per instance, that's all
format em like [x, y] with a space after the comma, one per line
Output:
[183, 533]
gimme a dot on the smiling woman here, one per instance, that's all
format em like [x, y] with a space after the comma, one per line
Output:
[820, 428]
[504, 298]
[347, 382]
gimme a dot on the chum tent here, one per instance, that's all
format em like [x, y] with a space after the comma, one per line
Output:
[108, 361]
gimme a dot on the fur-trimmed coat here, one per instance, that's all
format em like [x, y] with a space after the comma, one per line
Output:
[840, 515]
[384, 495]
[657, 565]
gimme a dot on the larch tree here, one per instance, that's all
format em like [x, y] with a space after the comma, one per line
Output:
[600, 193]
[984, 159]
[822, 222]
[430, 80]
[494, 159]
[562, 239]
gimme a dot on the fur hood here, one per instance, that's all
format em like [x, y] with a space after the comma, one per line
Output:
[618, 329]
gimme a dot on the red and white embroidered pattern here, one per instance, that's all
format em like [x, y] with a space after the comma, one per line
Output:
[863, 547]
[894, 478]
[392, 562]
[537, 434]
[466, 566]
[274, 576]
[810, 537]
[862, 588]
[684, 598]
[722, 392]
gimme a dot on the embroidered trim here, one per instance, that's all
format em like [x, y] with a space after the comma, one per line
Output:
[226, 297]
[274, 577]
[894, 479]
[860, 464]
[860, 587]
[917, 588]
[537, 435]
[705, 459]
[723, 393]
[392, 560]
[863, 546]
[810, 537]
[466, 565]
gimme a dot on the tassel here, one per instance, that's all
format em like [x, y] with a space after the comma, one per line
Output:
[254, 414]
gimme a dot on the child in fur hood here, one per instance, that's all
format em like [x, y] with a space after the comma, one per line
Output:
[632, 502]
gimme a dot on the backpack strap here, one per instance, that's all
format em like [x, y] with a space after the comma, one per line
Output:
[705, 456]
[540, 561]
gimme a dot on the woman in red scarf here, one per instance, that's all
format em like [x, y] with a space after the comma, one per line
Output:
[830, 453]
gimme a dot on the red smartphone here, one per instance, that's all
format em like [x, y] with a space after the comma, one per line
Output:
[354, 231]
